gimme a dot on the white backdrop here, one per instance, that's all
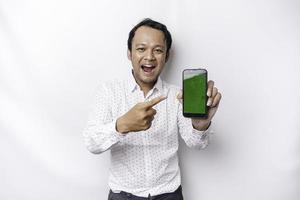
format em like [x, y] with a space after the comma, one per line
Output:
[54, 53]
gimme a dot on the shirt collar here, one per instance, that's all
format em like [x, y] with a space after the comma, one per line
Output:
[133, 84]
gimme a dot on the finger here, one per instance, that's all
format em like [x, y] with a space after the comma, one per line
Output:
[147, 126]
[217, 99]
[149, 119]
[155, 101]
[212, 111]
[214, 92]
[179, 96]
[209, 101]
[151, 112]
[152, 118]
[210, 86]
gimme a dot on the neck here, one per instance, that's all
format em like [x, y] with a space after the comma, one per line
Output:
[145, 87]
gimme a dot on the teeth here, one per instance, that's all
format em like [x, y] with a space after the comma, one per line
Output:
[148, 65]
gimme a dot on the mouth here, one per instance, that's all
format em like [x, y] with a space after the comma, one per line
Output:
[148, 69]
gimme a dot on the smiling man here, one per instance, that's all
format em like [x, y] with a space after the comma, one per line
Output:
[139, 120]
[148, 52]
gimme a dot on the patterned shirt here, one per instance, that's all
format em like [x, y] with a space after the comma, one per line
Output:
[144, 162]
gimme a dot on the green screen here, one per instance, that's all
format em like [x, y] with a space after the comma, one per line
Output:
[194, 86]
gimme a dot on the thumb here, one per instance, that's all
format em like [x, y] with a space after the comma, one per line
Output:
[179, 96]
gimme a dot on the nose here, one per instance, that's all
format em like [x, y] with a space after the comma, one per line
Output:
[149, 55]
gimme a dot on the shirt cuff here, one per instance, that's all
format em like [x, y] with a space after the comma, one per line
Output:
[113, 135]
[201, 134]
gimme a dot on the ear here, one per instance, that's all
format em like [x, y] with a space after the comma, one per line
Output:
[167, 57]
[129, 54]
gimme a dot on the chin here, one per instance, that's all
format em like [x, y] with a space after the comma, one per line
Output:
[149, 80]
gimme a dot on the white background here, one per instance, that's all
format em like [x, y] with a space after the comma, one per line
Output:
[54, 53]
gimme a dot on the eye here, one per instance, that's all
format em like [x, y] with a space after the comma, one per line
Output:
[158, 51]
[140, 49]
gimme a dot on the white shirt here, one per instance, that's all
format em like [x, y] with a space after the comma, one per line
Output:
[144, 162]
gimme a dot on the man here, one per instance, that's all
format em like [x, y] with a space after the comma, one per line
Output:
[139, 120]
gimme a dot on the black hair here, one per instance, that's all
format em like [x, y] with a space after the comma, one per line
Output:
[152, 24]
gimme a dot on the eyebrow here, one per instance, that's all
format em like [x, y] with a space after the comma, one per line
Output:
[146, 44]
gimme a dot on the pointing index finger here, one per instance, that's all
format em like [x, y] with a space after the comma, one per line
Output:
[155, 101]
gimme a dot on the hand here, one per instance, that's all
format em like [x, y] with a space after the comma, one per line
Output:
[214, 98]
[139, 117]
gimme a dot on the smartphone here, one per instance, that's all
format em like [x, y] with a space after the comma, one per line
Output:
[194, 83]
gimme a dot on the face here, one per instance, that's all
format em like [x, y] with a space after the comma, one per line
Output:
[148, 54]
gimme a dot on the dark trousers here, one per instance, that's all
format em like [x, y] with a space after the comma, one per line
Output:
[176, 195]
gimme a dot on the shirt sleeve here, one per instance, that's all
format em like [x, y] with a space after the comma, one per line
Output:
[100, 132]
[192, 137]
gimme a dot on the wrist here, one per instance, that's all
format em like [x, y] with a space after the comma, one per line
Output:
[203, 126]
[121, 126]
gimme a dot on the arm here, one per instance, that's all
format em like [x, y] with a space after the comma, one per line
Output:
[191, 136]
[100, 132]
[103, 132]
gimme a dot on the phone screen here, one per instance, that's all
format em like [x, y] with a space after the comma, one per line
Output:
[194, 93]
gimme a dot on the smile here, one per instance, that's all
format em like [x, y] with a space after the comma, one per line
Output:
[148, 69]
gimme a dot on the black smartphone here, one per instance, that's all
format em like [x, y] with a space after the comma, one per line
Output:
[194, 83]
